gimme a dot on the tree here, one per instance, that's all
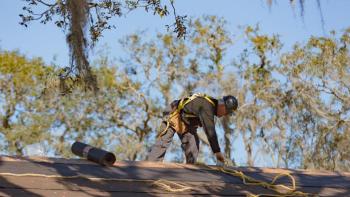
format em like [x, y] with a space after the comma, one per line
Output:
[274, 118]
[172, 67]
[21, 84]
[77, 15]
[36, 113]
[318, 73]
[293, 105]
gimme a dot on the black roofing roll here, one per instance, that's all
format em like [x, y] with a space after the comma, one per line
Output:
[93, 154]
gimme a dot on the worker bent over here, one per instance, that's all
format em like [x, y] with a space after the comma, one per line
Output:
[185, 117]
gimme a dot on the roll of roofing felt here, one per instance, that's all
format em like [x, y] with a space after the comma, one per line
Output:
[93, 154]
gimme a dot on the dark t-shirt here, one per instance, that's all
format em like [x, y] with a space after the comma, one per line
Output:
[204, 112]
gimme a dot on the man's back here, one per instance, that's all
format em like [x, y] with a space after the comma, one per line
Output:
[204, 113]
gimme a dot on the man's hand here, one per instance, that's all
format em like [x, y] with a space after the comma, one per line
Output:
[220, 157]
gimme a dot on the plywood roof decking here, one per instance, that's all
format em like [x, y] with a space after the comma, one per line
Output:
[75, 177]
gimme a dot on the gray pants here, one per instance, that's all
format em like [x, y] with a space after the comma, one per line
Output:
[189, 144]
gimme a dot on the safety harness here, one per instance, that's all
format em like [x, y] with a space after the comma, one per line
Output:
[175, 120]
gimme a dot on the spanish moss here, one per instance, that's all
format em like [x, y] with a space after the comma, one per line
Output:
[77, 42]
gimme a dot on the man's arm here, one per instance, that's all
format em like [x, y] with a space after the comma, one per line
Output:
[206, 116]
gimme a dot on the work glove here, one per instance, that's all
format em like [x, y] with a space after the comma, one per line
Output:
[220, 159]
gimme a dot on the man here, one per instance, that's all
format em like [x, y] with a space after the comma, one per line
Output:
[187, 115]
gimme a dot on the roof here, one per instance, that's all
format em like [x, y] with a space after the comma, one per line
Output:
[21, 176]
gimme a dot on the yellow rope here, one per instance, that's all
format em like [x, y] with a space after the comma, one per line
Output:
[72, 177]
[247, 180]
[160, 134]
[165, 184]
[176, 187]
[169, 186]
[38, 175]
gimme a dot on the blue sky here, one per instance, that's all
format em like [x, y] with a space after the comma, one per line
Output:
[48, 42]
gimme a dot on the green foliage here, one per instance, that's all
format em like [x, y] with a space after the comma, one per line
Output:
[319, 78]
[293, 106]
[21, 83]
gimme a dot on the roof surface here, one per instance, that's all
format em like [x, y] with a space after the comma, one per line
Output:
[20, 176]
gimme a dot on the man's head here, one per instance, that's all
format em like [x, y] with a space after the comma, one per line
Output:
[226, 105]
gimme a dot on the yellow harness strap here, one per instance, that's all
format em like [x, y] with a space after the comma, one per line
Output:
[183, 102]
[186, 100]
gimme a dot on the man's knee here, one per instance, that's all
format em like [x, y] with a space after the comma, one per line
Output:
[156, 153]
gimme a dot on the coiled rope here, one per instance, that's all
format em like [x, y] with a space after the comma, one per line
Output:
[172, 186]
[247, 180]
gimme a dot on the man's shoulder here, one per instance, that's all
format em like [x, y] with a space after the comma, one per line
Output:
[201, 101]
